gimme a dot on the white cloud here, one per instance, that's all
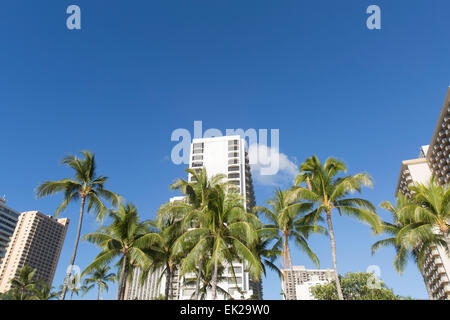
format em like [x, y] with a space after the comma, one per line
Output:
[270, 167]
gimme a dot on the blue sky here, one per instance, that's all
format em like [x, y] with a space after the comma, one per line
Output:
[139, 70]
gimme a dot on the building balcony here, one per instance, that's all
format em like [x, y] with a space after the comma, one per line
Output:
[234, 176]
[236, 182]
[196, 164]
[234, 168]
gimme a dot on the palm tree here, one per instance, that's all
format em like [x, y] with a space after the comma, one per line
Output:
[227, 229]
[198, 195]
[393, 230]
[267, 255]
[44, 292]
[24, 283]
[287, 222]
[99, 277]
[85, 186]
[169, 227]
[330, 193]
[431, 215]
[126, 237]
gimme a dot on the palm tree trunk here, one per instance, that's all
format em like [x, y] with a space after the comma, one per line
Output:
[123, 275]
[74, 253]
[127, 286]
[259, 284]
[199, 275]
[333, 255]
[98, 291]
[214, 279]
[168, 281]
[288, 262]
[308, 182]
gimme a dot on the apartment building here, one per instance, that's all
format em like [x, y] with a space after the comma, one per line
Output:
[434, 160]
[37, 242]
[8, 222]
[220, 155]
[227, 155]
[300, 281]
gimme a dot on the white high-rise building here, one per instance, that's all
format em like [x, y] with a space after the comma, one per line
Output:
[227, 155]
[305, 279]
[220, 155]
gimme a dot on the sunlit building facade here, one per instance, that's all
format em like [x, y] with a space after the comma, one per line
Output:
[37, 242]
[434, 160]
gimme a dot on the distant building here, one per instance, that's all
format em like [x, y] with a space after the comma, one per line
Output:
[434, 160]
[300, 281]
[37, 242]
[8, 221]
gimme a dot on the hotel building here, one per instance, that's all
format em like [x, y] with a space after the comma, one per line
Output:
[434, 160]
[37, 242]
[220, 155]
[8, 221]
[300, 281]
[438, 154]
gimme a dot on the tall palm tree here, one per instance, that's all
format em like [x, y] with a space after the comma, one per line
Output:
[287, 222]
[330, 193]
[126, 237]
[228, 230]
[24, 283]
[198, 194]
[85, 186]
[99, 277]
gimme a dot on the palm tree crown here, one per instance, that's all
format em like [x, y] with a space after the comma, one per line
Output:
[85, 186]
[126, 237]
[99, 277]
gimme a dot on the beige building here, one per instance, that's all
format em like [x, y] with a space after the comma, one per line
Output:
[434, 160]
[300, 281]
[37, 242]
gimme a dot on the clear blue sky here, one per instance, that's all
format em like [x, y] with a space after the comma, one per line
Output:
[140, 69]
